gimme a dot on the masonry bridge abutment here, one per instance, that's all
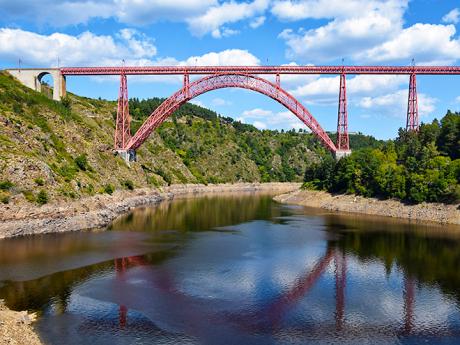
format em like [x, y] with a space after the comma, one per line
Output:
[33, 78]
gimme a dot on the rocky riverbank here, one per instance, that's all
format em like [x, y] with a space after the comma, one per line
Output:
[16, 328]
[425, 212]
[99, 210]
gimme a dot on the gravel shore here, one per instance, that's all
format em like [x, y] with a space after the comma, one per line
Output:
[99, 210]
[425, 212]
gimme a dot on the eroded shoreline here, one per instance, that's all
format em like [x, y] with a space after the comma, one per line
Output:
[422, 213]
[99, 210]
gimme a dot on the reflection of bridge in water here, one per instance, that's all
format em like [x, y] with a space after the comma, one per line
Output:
[269, 317]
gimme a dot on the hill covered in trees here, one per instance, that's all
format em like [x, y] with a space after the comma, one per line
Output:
[415, 167]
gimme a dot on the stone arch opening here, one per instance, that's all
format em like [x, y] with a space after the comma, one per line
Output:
[46, 83]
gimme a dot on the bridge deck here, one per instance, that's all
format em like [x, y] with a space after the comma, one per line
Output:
[171, 70]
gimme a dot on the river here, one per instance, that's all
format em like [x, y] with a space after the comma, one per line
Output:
[239, 269]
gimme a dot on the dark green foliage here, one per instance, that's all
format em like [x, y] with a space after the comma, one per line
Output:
[42, 197]
[449, 137]
[39, 181]
[415, 167]
[128, 184]
[196, 134]
[29, 195]
[66, 103]
[6, 185]
[82, 163]
[109, 189]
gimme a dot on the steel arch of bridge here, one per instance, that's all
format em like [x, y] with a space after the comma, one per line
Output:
[219, 81]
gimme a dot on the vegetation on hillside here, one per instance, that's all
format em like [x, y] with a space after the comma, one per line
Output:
[59, 150]
[415, 167]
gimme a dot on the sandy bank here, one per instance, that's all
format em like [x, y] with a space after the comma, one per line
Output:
[425, 212]
[99, 210]
[15, 327]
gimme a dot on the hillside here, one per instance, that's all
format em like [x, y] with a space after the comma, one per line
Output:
[60, 150]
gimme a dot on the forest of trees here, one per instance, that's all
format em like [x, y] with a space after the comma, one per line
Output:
[415, 167]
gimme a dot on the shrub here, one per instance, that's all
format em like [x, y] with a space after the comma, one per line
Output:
[29, 195]
[39, 181]
[65, 101]
[6, 185]
[4, 197]
[82, 162]
[109, 189]
[42, 197]
[128, 184]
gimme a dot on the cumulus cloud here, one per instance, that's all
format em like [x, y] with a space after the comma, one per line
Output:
[452, 17]
[225, 13]
[143, 12]
[429, 43]
[360, 85]
[220, 102]
[395, 104]
[258, 21]
[56, 13]
[82, 50]
[202, 16]
[263, 119]
[229, 57]
[370, 31]
[350, 30]
[88, 49]
[292, 10]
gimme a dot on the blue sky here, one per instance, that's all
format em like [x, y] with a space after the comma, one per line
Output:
[253, 32]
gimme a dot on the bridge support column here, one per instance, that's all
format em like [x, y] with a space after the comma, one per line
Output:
[412, 122]
[122, 126]
[343, 142]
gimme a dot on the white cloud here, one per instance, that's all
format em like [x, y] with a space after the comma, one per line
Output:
[225, 13]
[223, 32]
[259, 125]
[143, 12]
[89, 49]
[292, 10]
[220, 102]
[358, 85]
[202, 16]
[427, 43]
[263, 119]
[452, 17]
[370, 31]
[356, 26]
[395, 104]
[82, 50]
[258, 21]
[229, 57]
[56, 13]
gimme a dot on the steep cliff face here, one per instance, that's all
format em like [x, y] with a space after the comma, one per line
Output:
[59, 150]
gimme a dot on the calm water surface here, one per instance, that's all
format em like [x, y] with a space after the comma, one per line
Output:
[239, 269]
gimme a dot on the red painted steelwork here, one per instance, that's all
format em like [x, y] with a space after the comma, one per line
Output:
[412, 122]
[122, 126]
[409, 299]
[219, 81]
[261, 70]
[340, 282]
[342, 119]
